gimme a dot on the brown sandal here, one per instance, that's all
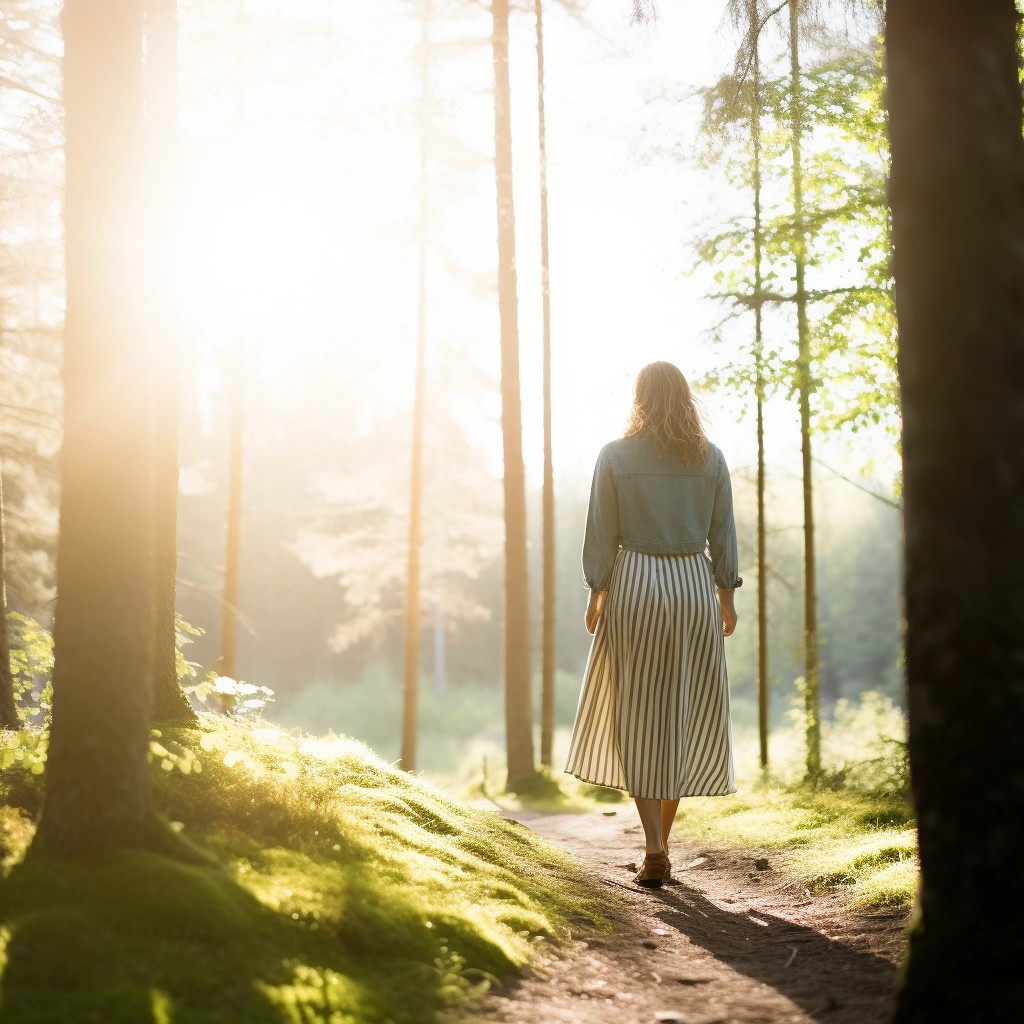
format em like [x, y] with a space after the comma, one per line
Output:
[655, 871]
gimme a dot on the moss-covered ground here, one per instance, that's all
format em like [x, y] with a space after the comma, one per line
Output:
[861, 846]
[349, 892]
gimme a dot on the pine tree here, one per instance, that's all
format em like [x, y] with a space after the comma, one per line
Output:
[518, 703]
[97, 790]
[412, 582]
[169, 702]
[547, 622]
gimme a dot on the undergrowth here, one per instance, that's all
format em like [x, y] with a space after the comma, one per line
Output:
[850, 830]
[350, 892]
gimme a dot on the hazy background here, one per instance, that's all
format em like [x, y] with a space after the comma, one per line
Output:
[297, 273]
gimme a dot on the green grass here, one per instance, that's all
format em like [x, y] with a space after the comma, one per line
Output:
[851, 833]
[857, 845]
[349, 892]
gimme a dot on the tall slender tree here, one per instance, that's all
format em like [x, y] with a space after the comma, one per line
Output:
[236, 386]
[754, 22]
[161, 25]
[804, 386]
[412, 579]
[97, 791]
[957, 193]
[746, 81]
[518, 703]
[233, 525]
[547, 622]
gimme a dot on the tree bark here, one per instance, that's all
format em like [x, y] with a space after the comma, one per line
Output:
[412, 579]
[812, 711]
[754, 19]
[8, 709]
[170, 704]
[97, 782]
[547, 622]
[957, 192]
[518, 703]
[233, 526]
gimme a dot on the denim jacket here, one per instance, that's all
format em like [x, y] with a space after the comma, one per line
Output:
[650, 500]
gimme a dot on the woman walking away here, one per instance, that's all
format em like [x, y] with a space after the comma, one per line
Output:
[653, 716]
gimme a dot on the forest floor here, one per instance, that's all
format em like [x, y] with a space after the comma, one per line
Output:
[730, 941]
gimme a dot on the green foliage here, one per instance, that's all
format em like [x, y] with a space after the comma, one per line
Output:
[233, 697]
[184, 634]
[32, 673]
[31, 667]
[867, 749]
[24, 752]
[350, 892]
[847, 249]
[220, 694]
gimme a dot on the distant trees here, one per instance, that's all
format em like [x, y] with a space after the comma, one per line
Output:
[31, 295]
[957, 192]
[357, 533]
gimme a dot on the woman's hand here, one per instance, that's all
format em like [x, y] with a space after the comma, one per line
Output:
[595, 605]
[727, 602]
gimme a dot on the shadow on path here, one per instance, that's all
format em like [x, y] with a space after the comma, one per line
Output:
[828, 979]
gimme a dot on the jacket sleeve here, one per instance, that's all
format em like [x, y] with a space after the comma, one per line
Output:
[601, 538]
[722, 534]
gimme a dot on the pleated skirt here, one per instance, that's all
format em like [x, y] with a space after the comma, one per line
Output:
[653, 717]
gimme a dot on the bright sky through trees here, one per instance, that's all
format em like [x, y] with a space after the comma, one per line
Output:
[297, 211]
[295, 225]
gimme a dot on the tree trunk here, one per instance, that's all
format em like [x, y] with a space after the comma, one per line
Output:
[957, 191]
[812, 712]
[518, 704]
[754, 18]
[169, 702]
[547, 623]
[412, 578]
[233, 529]
[97, 782]
[8, 710]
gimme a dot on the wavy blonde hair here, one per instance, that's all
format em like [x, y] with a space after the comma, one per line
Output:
[665, 410]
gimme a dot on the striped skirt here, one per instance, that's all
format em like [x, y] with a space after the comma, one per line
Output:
[653, 716]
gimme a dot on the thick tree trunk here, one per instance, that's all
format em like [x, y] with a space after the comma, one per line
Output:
[812, 712]
[411, 687]
[169, 702]
[518, 704]
[97, 781]
[957, 191]
[8, 710]
[547, 622]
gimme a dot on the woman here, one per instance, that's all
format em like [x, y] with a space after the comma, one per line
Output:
[653, 717]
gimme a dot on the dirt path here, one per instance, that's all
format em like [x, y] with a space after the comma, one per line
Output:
[731, 942]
